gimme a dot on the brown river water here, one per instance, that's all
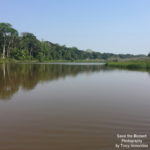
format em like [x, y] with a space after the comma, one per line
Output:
[71, 106]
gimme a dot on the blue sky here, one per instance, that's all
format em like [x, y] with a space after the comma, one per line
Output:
[117, 26]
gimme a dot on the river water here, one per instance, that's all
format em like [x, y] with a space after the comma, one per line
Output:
[71, 106]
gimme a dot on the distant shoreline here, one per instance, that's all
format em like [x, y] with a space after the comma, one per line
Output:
[124, 64]
[137, 64]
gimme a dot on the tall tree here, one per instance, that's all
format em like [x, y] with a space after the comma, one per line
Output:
[7, 34]
[29, 41]
[12, 37]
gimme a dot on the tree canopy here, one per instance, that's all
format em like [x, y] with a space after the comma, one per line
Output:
[28, 47]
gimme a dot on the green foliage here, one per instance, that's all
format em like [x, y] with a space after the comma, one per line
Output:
[40, 57]
[28, 47]
[20, 54]
[130, 64]
[7, 38]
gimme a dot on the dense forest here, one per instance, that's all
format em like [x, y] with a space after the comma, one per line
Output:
[26, 46]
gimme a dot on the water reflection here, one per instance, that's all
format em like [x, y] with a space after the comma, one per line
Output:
[27, 76]
[83, 112]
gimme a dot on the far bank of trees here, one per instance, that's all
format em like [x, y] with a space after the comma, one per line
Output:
[27, 47]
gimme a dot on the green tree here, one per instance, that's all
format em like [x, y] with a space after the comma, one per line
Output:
[11, 39]
[40, 56]
[7, 35]
[27, 46]
[29, 41]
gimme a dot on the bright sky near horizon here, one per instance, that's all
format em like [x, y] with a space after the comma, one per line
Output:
[116, 26]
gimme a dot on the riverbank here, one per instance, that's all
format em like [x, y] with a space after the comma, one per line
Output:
[50, 61]
[10, 60]
[139, 64]
[123, 64]
[7, 61]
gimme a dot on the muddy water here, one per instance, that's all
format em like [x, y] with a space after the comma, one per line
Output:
[71, 106]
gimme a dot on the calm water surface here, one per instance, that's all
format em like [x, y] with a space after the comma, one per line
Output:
[71, 106]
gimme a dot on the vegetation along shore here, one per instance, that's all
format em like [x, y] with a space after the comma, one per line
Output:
[138, 64]
[15, 47]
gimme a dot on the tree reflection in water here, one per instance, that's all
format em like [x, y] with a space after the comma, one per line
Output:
[27, 76]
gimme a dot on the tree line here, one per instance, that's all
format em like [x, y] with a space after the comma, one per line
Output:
[27, 47]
